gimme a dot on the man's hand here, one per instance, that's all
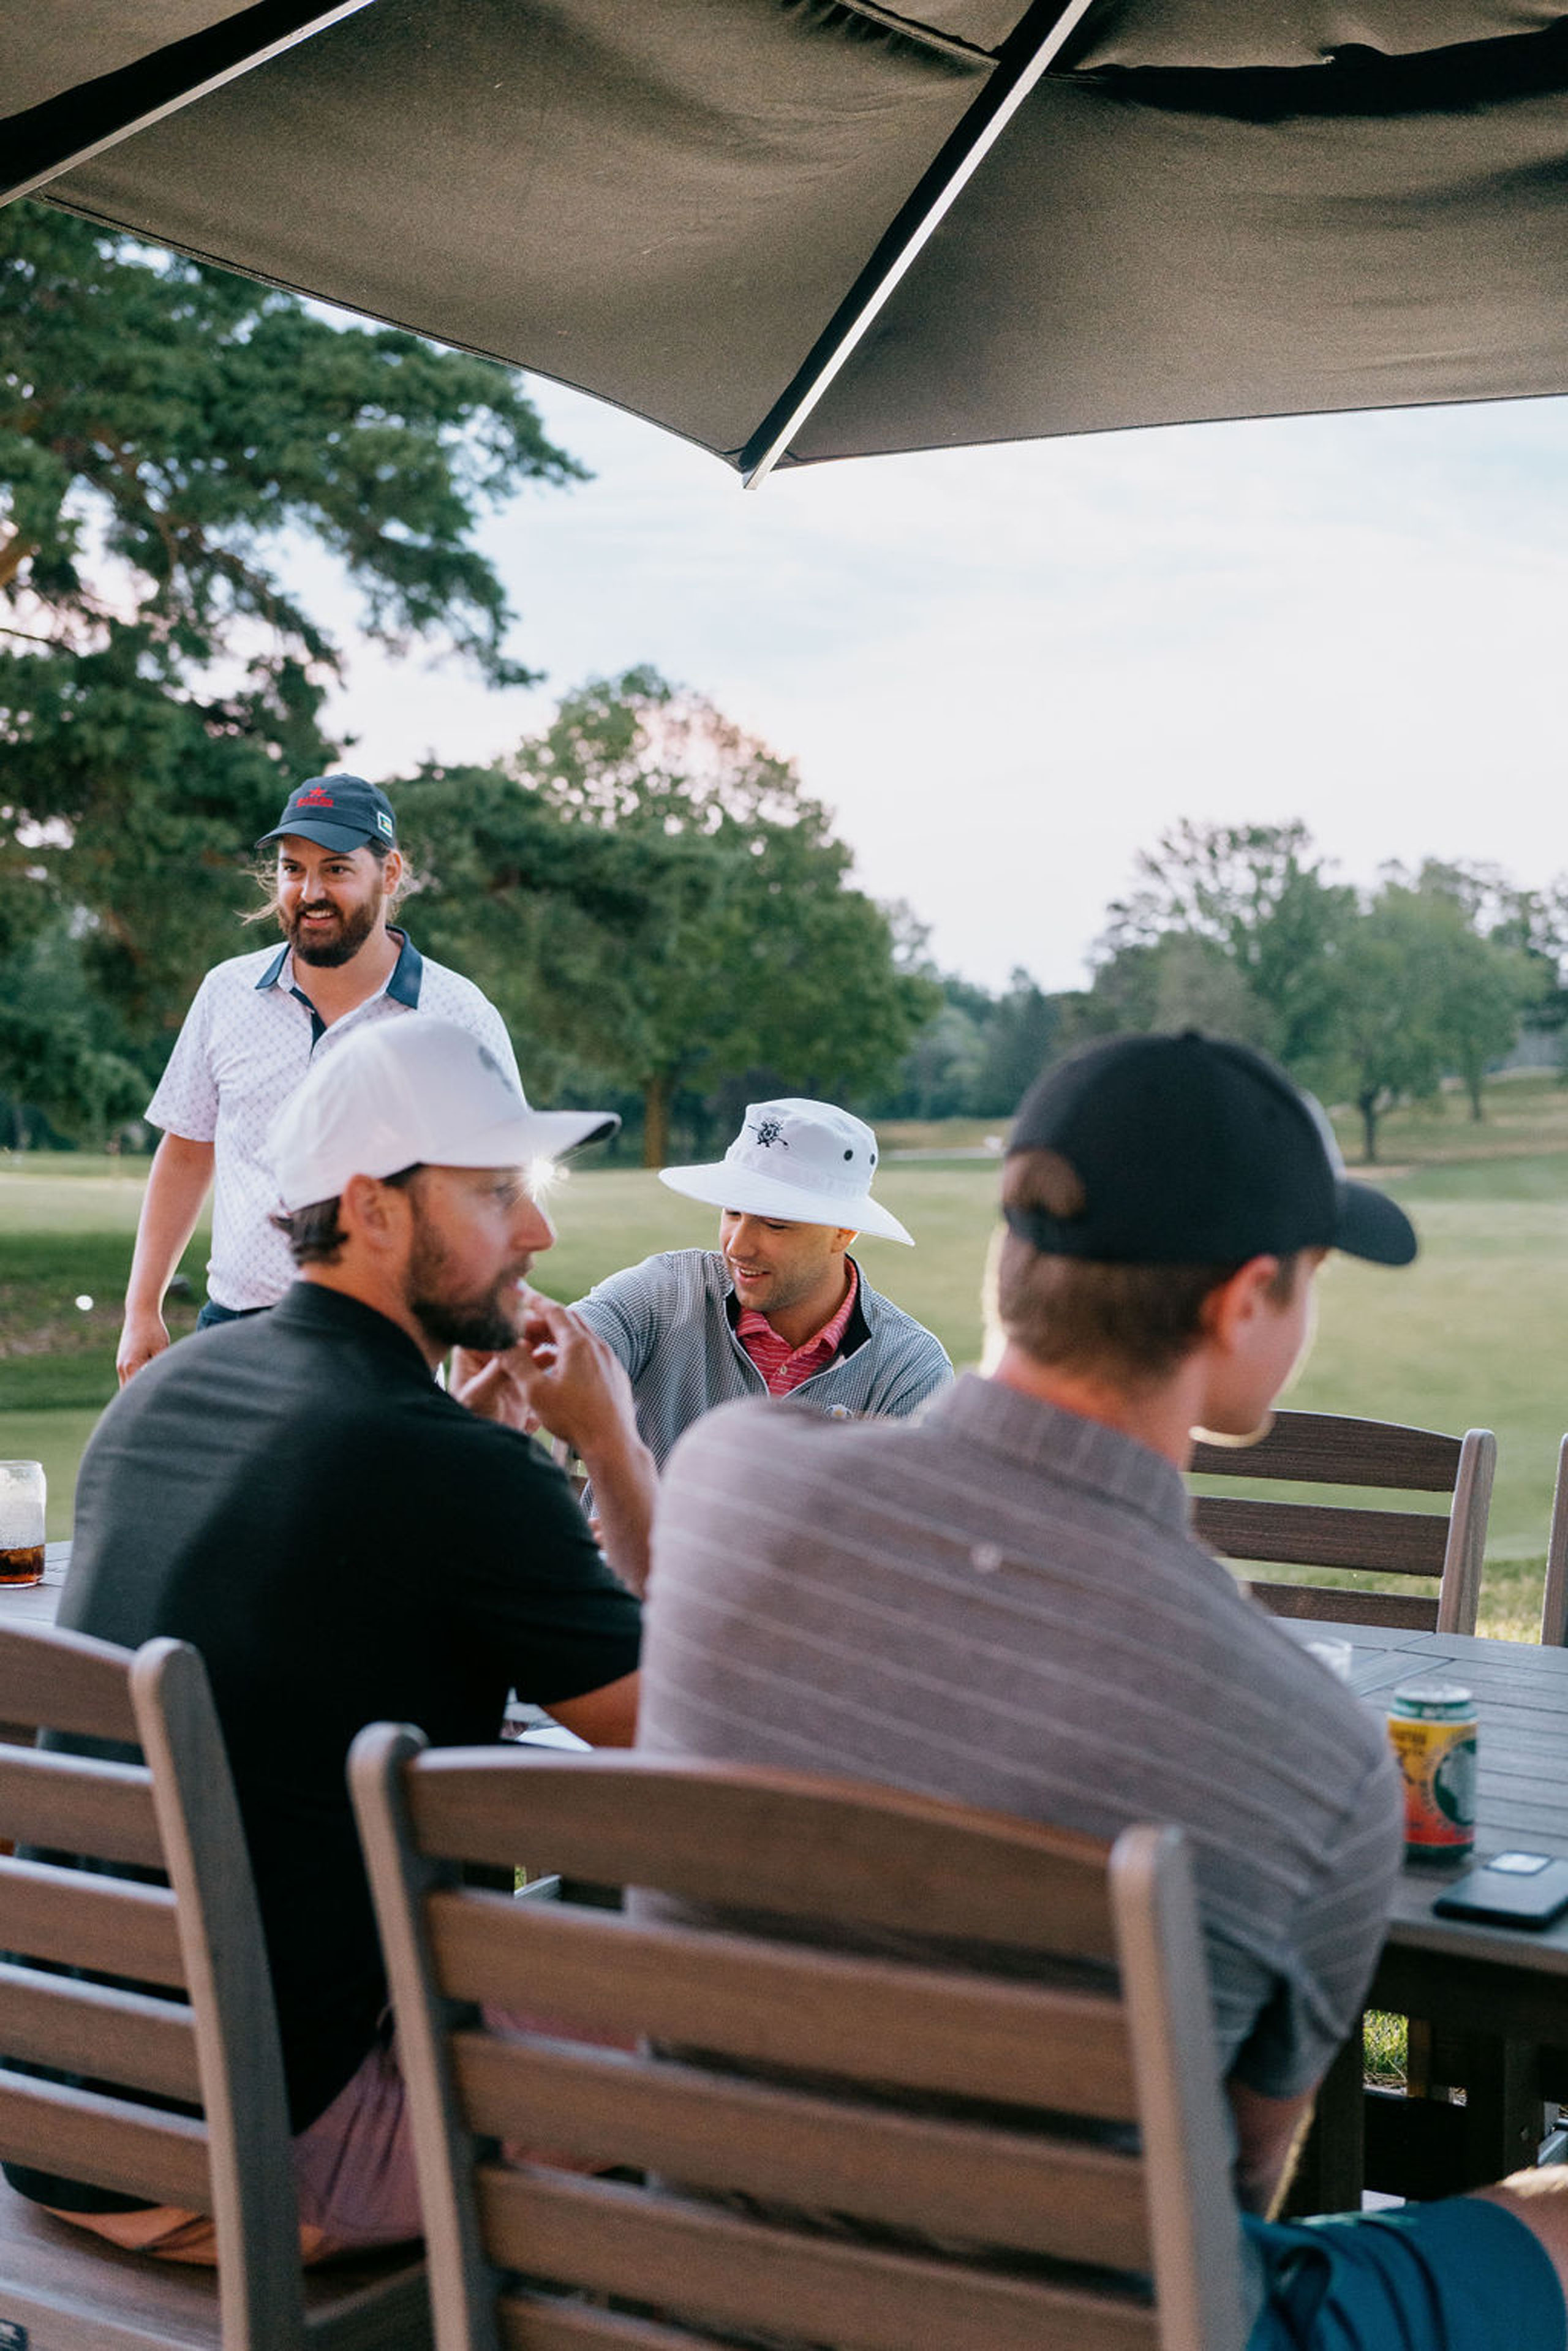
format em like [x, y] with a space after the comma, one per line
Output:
[143, 1336]
[572, 1382]
[487, 1385]
[563, 1377]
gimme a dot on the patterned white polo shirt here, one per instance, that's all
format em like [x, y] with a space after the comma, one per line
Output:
[247, 1041]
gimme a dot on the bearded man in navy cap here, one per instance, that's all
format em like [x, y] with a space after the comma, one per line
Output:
[258, 1023]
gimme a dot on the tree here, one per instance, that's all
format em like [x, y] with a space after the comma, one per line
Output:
[1259, 894]
[1238, 929]
[1021, 1030]
[56, 1047]
[165, 428]
[677, 909]
[1508, 946]
[938, 1079]
[1390, 1031]
[1489, 972]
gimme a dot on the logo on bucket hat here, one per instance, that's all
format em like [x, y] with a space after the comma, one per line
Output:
[340, 812]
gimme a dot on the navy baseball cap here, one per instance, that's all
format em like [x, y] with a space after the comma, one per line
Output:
[1193, 1150]
[339, 811]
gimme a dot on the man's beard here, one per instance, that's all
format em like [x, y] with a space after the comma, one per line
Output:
[483, 1321]
[327, 953]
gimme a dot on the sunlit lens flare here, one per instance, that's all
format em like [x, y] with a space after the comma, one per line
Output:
[543, 1177]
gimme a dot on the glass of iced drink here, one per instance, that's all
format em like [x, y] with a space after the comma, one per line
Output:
[23, 1495]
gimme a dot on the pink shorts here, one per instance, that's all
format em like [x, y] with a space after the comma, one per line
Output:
[353, 2168]
[353, 2173]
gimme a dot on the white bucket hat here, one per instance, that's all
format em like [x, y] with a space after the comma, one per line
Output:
[407, 1092]
[808, 1162]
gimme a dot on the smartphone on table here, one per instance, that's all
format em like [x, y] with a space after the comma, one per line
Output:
[1512, 1889]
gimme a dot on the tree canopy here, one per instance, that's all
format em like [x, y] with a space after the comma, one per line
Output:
[168, 433]
[1241, 930]
[650, 894]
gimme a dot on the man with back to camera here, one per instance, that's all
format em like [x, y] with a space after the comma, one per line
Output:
[258, 1024]
[345, 1543]
[779, 1308]
[1025, 1552]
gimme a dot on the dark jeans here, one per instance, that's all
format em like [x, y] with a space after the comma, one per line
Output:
[213, 1312]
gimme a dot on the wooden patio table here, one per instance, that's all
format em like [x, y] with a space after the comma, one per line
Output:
[1505, 1988]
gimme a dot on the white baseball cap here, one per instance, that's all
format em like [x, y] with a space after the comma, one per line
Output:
[409, 1091]
[806, 1162]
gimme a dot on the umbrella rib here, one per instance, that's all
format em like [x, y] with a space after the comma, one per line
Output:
[926, 37]
[1023, 57]
[52, 137]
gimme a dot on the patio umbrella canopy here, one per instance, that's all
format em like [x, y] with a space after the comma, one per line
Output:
[693, 208]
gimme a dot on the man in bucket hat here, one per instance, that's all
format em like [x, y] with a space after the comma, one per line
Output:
[1004, 1603]
[779, 1308]
[258, 1023]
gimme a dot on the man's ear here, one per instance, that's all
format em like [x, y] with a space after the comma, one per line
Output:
[372, 1212]
[843, 1235]
[1232, 1308]
[394, 867]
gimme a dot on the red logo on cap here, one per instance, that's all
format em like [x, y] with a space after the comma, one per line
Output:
[317, 798]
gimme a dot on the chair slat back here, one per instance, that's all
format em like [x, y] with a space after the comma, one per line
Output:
[935, 2084]
[79, 1806]
[68, 1917]
[1317, 1534]
[811, 1845]
[1333, 1449]
[1329, 1449]
[187, 2013]
[80, 1685]
[762, 2001]
[133, 2038]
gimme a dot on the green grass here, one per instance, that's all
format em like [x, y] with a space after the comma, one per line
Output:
[1384, 2049]
[69, 1192]
[56, 1439]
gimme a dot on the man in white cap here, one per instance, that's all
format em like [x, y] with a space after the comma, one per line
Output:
[779, 1308]
[345, 1541]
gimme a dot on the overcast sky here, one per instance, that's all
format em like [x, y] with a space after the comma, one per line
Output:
[1006, 670]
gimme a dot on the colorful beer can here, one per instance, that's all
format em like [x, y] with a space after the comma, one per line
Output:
[1432, 1726]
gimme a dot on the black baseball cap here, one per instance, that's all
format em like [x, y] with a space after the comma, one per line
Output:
[1193, 1150]
[339, 811]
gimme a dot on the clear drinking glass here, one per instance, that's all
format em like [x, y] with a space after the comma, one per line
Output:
[23, 1497]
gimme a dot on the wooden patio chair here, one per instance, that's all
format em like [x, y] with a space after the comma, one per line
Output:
[1405, 2145]
[1329, 1449]
[787, 2077]
[162, 2077]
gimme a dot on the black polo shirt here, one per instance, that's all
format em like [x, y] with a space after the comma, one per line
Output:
[344, 1543]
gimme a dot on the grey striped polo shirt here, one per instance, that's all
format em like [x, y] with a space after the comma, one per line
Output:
[670, 1319]
[1002, 1603]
